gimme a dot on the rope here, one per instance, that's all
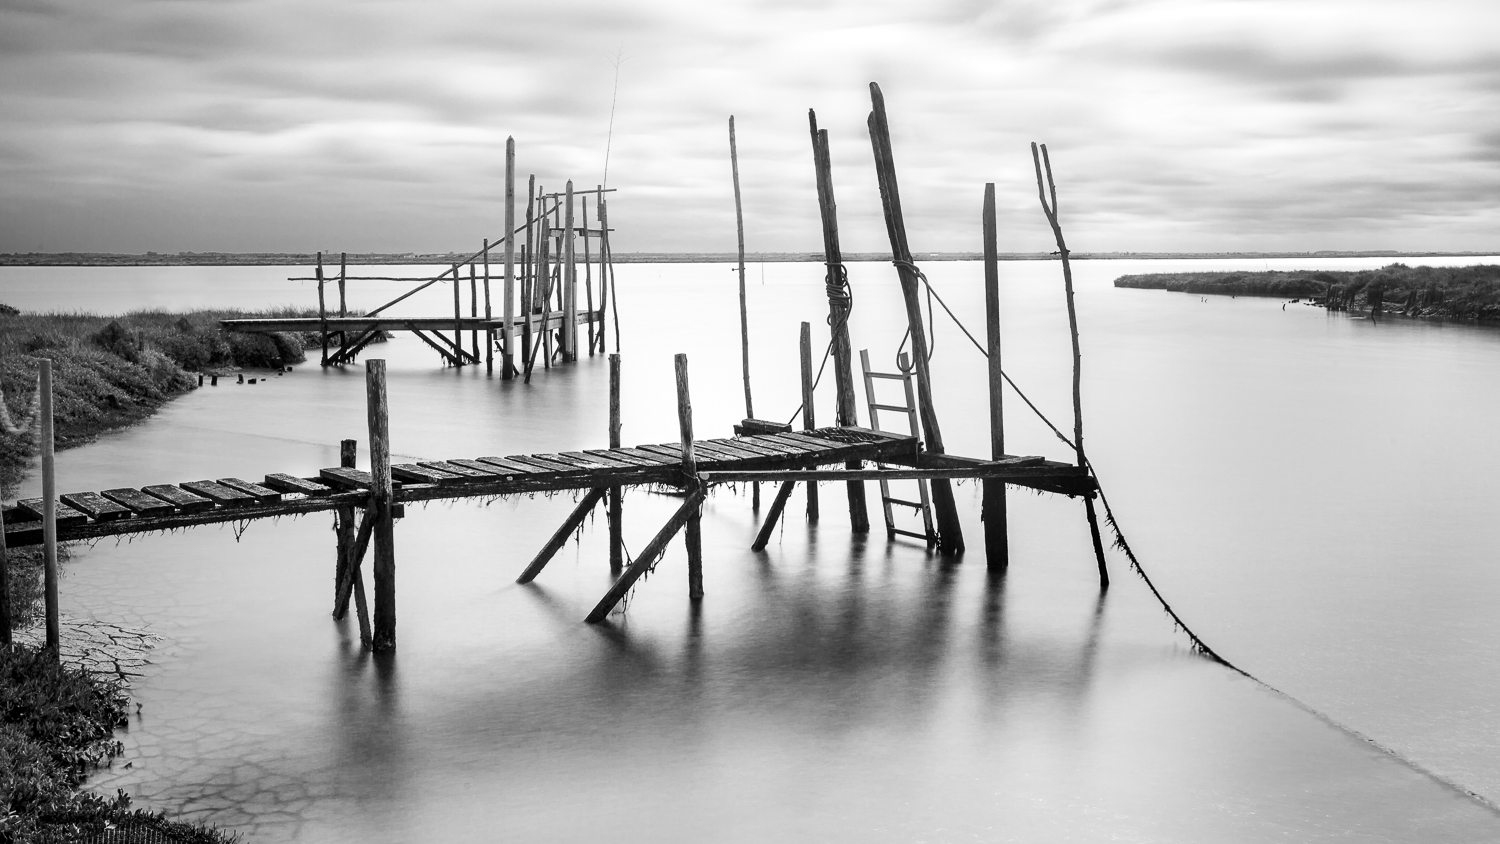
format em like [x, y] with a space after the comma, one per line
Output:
[836, 285]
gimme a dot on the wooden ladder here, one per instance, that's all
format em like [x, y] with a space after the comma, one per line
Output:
[923, 504]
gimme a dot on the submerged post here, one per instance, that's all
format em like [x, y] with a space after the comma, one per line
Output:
[836, 283]
[616, 528]
[508, 331]
[49, 511]
[1044, 192]
[693, 533]
[950, 533]
[381, 499]
[808, 423]
[996, 540]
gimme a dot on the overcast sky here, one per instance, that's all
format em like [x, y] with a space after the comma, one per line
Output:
[243, 125]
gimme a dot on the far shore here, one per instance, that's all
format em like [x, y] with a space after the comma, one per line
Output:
[282, 259]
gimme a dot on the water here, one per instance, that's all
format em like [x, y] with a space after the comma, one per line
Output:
[1310, 490]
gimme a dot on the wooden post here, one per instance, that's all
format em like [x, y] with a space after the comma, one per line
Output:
[322, 311]
[604, 291]
[540, 291]
[458, 314]
[996, 540]
[607, 259]
[381, 499]
[616, 505]
[693, 533]
[777, 505]
[1050, 209]
[473, 311]
[343, 301]
[739, 225]
[49, 512]
[489, 314]
[950, 533]
[528, 278]
[508, 332]
[588, 275]
[348, 454]
[808, 420]
[570, 281]
[838, 310]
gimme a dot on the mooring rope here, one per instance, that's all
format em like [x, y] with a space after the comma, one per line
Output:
[836, 285]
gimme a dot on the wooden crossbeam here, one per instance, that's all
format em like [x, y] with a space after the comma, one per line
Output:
[648, 557]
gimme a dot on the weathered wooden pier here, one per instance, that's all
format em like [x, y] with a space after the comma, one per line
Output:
[367, 502]
[539, 308]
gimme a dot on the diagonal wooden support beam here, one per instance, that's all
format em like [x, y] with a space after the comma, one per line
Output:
[356, 553]
[773, 516]
[648, 557]
[447, 355]
[569, 525]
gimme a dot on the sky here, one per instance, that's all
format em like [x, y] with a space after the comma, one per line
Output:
[380, 125]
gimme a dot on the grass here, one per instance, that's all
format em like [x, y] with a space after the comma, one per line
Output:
[110, 372]
[1470, 293]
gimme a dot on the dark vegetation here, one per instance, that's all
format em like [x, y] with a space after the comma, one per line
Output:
[112, 372]
[1466, 293]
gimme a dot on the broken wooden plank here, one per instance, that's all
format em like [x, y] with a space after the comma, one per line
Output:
[185, 502]
[95, 506]
[262, 495]
[290, 483]
[218, 493]
[760, 426]
[139, 502]
[347, 478]
[417, 474]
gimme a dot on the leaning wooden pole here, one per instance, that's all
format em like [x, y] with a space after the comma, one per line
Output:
[996, 534]
[569, 280]
[1047, 193]
[508, 331]
[382, 496]
[529, 278]
[739, 226]
[49, 512]
[560, 536]
[616, 505]
[646, 560]
[950, 533]
[804, 352]
[836, 283]
[693, 535]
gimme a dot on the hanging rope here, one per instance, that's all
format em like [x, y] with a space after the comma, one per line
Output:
[836, 285]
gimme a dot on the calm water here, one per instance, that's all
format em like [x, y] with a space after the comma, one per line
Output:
[1311, 491]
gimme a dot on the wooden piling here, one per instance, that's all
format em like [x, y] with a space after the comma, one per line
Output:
[489, 314]
[528, 278]
[838, 310]
[588, 275]
[570, 280]
[473, 311]
[739, 226]
[322, 311]
[458, 314]
[996, 538]
[950, 533]
[343, 302]
[616, 505]
[606, 259]
[508, 331]
[348, 454]
[805, 354]
[49, 511]
[381, 495]
[1044, 193]
[693, 533]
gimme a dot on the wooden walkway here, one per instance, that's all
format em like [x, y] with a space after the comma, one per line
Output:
[763, 457]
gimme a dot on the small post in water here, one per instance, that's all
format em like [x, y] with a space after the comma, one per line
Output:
[996, 541]
[458, 315]
[49, 512]
[322, 311]
[508, 331]
[381, 499]
[693, 529]
[808, 423]
[616, 528]
[344, 531]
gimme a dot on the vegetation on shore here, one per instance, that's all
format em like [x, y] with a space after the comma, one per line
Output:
[1465, 293]
[112, 372]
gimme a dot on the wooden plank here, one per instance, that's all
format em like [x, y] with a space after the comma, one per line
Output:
[66, 516]
[347, 478]
[641, 454]
[290, 483]
[789, 442]
[760, 426]
[512, 466]
[262, 495]
[543, 463]
[610, 462]
[705, 454]
[618, 454]
[186, 502]
[809, 439]
[417, 474]
[139, 502]
[581, 463]
[754, 450]
[1012, 472]
[218, 493]
[95, 506]
[483, 468]
[462, 473]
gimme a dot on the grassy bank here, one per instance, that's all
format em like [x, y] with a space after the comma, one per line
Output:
[109, 372]
[1466, 293]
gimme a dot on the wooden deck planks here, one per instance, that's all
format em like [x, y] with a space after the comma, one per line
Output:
[95, 506]
[183, 500]
[140, 503]
[66, 516]
[218, 493]
[261, 494]
[290, 483]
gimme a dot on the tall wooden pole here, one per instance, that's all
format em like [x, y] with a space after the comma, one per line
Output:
[489, 314]
[693, 534]
[473, 311]
[1044, 193]
[343, 301]
[588, 275]
[838, 311]
[616, 506]
[739, 226]
[570, 280]
[322, 311]
[458, 314]
[950, 533]
[382, 497]
[529, 277]
[996, 539]
[508, 332]
[603, 277]
[49, 512]
[804, 348]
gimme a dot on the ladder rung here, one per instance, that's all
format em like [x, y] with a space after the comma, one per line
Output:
[895, 407]
[915, 505]
[922, 536]
[885, 375]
